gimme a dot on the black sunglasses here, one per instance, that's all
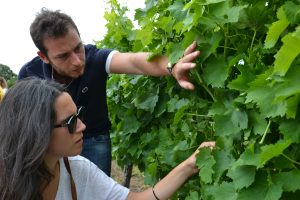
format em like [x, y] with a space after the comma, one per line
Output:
[71, 122]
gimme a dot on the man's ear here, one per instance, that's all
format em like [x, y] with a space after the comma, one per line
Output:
[43, 57]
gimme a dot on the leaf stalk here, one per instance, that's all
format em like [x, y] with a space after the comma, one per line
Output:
[205, 87]
[265, 133]
[291, 160]
[253, 38]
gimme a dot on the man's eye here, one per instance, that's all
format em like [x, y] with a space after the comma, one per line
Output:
[78, 49]
[63, 57]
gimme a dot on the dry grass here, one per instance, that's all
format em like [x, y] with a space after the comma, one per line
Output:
[137, 179]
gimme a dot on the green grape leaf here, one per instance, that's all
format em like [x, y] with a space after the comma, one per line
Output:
[193, 196]
[174, 104]
[240, 85]
[276, 29]
[292, 106]
[262, 92]
[150, 173]
[216, 72]
[289, 91]
[165, 23]
[234, 13]
[289, 180]
[177, 10]
[290, 129]
[224, 161]
[225, 127]
[257, 122]
[270, 151]
[210, 47]
[248, 157]
[161, 105]
[231, 122]
[242, 176]
[130, 124]
[217, 108]
[223, 191]
[177, 51]
[188, 22]
[242, 81]
[239, 118]
[207, 2]
[292, 12]
[287, 53]
[205, 162]
[180, 113]
[146, 99]
[145, 35]
[261, 189]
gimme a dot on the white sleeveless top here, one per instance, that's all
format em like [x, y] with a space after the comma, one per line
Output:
[91, 183]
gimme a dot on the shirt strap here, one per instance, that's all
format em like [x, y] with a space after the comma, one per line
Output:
[73, 187]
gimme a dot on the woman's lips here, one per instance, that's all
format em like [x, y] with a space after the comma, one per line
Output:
[79, 141]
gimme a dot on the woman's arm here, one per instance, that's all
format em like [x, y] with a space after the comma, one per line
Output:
[165, 188]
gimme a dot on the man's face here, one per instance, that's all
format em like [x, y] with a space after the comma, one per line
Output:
[65, 54]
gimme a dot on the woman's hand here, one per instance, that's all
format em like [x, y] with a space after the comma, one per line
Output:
[167, 186]
[191, 161]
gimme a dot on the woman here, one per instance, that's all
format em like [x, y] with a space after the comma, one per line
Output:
[40, 126]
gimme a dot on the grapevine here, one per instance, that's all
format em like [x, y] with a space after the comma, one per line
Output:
[246, 98]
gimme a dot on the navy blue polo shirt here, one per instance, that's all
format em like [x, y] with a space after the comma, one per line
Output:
[88, 90]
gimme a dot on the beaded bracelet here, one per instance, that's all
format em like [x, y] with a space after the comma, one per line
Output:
[154, 193]
[170, 67]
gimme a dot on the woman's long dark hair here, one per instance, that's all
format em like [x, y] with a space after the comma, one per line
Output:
[27, 117]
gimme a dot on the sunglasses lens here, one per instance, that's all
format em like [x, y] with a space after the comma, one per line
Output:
[72, 124]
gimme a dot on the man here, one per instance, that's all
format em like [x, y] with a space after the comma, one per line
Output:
[84, 70]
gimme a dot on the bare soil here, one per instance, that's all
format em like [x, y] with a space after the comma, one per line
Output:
[137, 178]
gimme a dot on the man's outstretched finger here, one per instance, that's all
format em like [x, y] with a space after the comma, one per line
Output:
[190, 57]
[186, 85]
[190, 48]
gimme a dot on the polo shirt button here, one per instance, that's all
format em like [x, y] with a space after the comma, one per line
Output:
[85, 89]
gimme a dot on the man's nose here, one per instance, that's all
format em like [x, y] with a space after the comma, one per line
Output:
[75, 59]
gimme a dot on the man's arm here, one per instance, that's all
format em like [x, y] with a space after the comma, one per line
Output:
[136, 63]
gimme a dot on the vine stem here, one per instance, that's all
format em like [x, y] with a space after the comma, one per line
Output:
[193, 147]
[253, 38]
[204, 116]
[235, 35]
[288, 158]
[265, 133]
[205, 87]
[228, 48]
[226, 42]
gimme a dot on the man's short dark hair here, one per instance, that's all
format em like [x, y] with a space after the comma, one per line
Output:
[50, 24]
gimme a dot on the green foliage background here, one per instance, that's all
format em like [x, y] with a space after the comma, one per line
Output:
[247, 96]
[8, 74]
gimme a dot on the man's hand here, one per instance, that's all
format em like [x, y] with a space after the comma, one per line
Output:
[184, 65]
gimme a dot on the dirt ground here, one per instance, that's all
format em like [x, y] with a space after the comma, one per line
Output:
[137, 179]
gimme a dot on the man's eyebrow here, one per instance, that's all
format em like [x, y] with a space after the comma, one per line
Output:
[80, 44]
